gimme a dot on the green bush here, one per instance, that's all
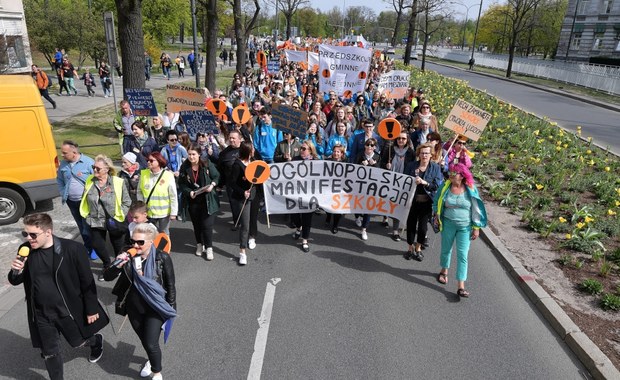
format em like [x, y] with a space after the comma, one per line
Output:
[610, 302]
[591, 286]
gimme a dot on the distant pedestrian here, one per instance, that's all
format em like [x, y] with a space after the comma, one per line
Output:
[471, 63]
[89, 82]
[231, 57]
[148, 63]
[61, 82]
[42, 82]
[104, 78]
[191, 59]
[68, 74]
[224, 56]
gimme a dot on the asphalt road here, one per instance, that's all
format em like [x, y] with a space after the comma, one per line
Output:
[598, 122]
[347, 310]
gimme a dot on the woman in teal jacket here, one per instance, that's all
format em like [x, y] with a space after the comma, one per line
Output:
[460, 213]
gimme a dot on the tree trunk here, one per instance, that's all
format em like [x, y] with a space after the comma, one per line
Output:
[239, 37]
[511, 55]
[289, 19]
[399, 16]
[211, 43]
[411, 32]
[131, 40]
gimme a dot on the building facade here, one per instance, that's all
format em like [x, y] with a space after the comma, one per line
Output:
[591, 28]
[15, 54]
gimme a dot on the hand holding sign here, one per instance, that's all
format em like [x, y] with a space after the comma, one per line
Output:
[241, 114]
[256, 172]
[389, 129]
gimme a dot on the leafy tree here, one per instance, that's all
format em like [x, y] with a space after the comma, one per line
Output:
[243, 28]
[519, 15]
[162, 18]
[399, 8]
[311, 22]
[289, 8]
[433, 15]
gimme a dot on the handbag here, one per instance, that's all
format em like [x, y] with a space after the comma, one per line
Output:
[434, 222]
[113, 225]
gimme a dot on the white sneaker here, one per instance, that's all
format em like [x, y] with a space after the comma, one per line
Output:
[358, 221]
[209, 254]
[146, 370]
[364, 235]
[199, 249]
[158, 377]
[251, 243]
[243, 259]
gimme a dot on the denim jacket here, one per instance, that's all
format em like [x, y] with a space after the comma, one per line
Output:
[82, 169]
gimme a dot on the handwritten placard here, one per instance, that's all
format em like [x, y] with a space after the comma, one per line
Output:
[467, 120]
[141, 101]
[199, 122]
[289, 120]
[183, 98]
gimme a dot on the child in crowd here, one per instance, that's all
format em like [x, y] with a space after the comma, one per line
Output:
[89, 82]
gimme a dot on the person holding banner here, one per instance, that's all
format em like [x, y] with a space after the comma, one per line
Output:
[460, 213]
[146, 286]
[396, 158]
[368, 157]
[197, 183]
[244, 199]
[303, 222]
[338, 155]
[140, 143]
[428, 178]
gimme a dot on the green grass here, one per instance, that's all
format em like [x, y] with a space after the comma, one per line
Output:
[93, 129]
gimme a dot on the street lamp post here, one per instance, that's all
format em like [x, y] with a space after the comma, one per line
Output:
[572, 28]
[466, 19]
[473, 48]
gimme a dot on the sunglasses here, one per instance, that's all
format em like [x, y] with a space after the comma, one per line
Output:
[303, 148]
[372, 145]
[425, 107]
[402, 138]
[31, 235]
[152, 160]
[460, 142]
[134, 242]
[172, 140]
[97, 169]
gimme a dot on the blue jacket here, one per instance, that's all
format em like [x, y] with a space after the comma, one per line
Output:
[432, 175]
[266, 138]
[82, 169]
[178, 156]
[335, 139]
[320, 148]
[478, 212]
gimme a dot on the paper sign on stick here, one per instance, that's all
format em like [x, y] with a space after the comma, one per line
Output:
[395, 83]
[467, 120]
[141, 101]
[289, 120]
[352, 61]
[179, 98]
[199, 122]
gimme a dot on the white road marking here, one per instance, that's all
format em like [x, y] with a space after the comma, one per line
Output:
[256, 366]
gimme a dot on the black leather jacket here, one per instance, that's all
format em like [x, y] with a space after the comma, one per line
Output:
[165, 277]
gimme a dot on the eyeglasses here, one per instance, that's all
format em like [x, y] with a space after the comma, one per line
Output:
[402, 138]
[350, 112]
[97, 168]
[303, 148]
[372, 145]
[452, 174]
[152, 160]
[32, 235]
[391, 103]
[172, 140]
[134, 242]
[425, 107]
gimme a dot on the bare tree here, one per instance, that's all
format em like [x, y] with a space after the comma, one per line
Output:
[243, 29]
[434, 14]
[289, 8]
[413, 15]
[519, 15]
[399, 7]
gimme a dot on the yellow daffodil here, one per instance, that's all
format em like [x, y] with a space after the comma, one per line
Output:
[540, 141]
[607, 168]
[569, 236]
[558, 148]
[485, 153]
[562, 220]
[565, 146]
[511, 155]
[587, 219]
[588, 151]
[591, 162]
[589, 139]
[580, 225]
[539, 186]
[617, 203]
[611, 212]
[536, 132]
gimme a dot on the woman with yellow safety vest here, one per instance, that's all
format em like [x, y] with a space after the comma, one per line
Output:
[104, 204]
[157, 188]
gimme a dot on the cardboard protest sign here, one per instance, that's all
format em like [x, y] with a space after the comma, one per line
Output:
[352, 61]
[394, 83]
[467, 120]
[179, 98]
[289, 120]
[216, 106]
[199, 122]
[337, 187]
[141, 101]
[295, 56]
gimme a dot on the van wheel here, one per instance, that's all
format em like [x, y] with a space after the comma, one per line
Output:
[12, 206]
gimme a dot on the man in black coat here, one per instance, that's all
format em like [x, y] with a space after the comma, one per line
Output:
[61, 296]
[226, 160]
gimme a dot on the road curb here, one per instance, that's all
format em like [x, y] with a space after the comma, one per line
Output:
[587, 352]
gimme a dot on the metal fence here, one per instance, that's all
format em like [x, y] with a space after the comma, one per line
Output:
[598, 77]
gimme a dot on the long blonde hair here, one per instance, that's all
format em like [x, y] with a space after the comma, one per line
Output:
[108, 162]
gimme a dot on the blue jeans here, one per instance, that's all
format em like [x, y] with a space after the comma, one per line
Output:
[449, 233]
[74, 207]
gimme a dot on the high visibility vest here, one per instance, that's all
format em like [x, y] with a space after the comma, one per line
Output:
[118, 185]
[159, 204]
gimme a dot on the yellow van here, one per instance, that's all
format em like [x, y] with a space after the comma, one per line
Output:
[28, 160]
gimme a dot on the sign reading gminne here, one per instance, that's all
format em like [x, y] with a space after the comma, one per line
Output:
[183, 98]
[289, 120]
[199, 122]
[467, 120]
[337, 187]
[352, 61]
[141, 101]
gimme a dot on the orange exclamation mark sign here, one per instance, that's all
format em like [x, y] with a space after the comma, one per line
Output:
[257, 172]
[389, 125]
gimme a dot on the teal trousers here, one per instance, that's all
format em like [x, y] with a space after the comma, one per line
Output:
[449, 233]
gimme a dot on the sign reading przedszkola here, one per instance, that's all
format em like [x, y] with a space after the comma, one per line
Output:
[179, 98]
[467, 120]
[141, 101]
[349, 60]
[337, 187]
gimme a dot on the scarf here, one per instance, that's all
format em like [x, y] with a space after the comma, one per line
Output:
[398, 161]
[142, 140]
[153, 293]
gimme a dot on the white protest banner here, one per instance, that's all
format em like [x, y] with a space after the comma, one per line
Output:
[313, 61]
[394, 83]
[467, 120]
[295, 56]
[179, 98]
[350, 60]
[337, 187]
